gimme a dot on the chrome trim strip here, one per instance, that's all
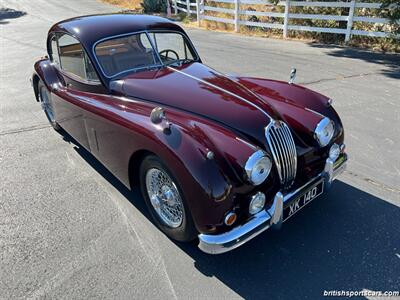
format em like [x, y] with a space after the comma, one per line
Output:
[238, 83]
[220, 243]
[222, 90]
[216, 244]
[315, 112]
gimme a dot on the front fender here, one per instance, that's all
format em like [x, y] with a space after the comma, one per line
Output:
[209, 184]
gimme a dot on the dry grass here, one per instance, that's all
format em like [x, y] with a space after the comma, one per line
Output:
[126, 4]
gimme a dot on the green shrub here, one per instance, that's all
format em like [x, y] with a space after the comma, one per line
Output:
[154, 6]
[391, 10]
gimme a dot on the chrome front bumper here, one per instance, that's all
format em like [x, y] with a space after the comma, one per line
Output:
[220, 243]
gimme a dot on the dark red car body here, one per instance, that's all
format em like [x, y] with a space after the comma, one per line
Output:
[208, 111]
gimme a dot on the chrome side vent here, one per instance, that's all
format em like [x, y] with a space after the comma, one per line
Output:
[283, 149]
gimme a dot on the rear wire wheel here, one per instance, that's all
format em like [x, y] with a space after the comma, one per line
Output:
[47, 106]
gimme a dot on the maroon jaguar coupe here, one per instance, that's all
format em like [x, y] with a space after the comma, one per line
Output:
[217, 157]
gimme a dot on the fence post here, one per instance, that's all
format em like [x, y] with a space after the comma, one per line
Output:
[168, 9]
[188, 8]
[175, 7]
[237, 17]
[350, 21]
[198, 12]
[286, 19]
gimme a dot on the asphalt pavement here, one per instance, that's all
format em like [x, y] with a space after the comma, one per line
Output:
[69, 229]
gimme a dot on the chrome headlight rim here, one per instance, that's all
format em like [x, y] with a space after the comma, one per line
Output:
[321, 138]
[252, 162]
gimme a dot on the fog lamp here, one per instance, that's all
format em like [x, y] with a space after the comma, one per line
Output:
[334, 152]
[257, 203]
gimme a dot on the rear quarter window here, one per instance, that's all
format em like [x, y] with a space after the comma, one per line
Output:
[73, 58]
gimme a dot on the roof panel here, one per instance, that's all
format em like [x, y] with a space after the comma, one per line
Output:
[90, 29]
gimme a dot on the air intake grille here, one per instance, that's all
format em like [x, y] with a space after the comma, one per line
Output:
[283, 150]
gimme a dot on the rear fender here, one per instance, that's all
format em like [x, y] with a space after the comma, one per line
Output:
[46, 72]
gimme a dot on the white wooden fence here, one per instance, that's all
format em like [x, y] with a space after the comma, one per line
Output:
[200, 10]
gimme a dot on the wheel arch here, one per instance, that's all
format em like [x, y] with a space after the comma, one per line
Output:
[35, 84]
[134, 166]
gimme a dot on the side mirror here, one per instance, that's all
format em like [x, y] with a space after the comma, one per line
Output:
[157, 115]
[292, 75]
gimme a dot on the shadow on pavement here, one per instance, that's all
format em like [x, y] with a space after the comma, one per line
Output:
[9, 13]
[389, 61]
[132, 196]
[345, 240]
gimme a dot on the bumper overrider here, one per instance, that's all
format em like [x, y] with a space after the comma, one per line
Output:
[272, 217]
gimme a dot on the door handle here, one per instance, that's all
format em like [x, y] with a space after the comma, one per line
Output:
[55, 87]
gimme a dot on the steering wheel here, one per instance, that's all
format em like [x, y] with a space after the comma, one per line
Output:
[166, 51]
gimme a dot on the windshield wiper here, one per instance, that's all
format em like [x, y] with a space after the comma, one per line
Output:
[180, 62]
[146, 68]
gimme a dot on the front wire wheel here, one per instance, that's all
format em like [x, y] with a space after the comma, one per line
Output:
[165, 200]
[164, 197]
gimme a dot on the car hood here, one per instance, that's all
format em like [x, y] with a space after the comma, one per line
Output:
[200, 90]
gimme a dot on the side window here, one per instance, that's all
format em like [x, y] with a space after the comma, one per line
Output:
[89, 69]
[54, 51]
[74, 60]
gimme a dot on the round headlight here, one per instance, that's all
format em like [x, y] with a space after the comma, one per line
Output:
[324, 131]
[258, 167]
[257, 203]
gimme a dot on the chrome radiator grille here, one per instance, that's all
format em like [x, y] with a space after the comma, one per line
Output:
[283, 150]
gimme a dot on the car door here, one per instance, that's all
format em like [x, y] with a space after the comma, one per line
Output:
[80, 81]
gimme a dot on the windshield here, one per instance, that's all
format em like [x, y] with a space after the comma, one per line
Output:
[136, 52]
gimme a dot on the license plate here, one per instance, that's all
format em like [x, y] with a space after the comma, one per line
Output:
[297, 204]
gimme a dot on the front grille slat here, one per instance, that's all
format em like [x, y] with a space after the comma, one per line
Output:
[281, 156]
[292, 147]
[283, 150]
[275, 151]
[288, 150]
[280, 153]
